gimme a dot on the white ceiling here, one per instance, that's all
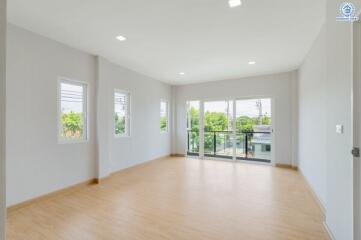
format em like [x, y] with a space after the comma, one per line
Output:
[203, 38]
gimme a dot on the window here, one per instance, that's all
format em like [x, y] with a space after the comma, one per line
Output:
[163, 116]
[121, 113]
[72, 111]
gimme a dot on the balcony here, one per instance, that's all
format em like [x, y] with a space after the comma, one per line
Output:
[251, 146]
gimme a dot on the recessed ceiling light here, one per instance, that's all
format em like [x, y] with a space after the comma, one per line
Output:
[121, 38]
[252, 63]
[234, 3]
[182, 73]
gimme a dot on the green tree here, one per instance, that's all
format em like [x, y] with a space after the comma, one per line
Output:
[163, 124]
[119, 124]
[194, 115]
[215, 121]
[72, 124]
[194, 129]
[266, 120]
[245, 123]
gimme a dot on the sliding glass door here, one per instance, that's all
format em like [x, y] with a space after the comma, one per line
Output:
[253, 129]
[238, 129]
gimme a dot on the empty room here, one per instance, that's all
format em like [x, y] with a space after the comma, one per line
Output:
[180, 120]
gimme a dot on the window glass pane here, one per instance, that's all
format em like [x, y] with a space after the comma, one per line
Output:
[254, 129]
[193, 127]
[72, 111]
[163, 116]
[218, 119]
[121, 104]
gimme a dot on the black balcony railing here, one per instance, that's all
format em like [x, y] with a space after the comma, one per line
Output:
[253, 146]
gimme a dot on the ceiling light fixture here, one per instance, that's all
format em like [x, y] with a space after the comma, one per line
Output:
[182, 73]
[121, 38]
[252, 63]
[234, 3]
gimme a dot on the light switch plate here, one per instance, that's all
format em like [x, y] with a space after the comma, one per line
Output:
[339, 129]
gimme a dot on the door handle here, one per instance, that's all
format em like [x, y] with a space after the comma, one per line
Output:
[355, 152]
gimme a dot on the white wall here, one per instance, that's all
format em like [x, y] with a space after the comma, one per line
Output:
[339, 160]
[146, 141]
[312, 117]
[325, 86]
[37, 164]
[278, 86]
[294, 118]
[2, 116]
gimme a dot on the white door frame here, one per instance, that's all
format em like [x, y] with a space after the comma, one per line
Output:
[2, 117]
[356, 123]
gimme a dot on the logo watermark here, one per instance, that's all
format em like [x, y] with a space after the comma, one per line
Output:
[347, 13]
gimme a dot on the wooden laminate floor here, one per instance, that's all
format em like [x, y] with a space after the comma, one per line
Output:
[178, 198]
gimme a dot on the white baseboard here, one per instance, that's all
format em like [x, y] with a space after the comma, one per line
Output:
[314, 194]
[328, 230]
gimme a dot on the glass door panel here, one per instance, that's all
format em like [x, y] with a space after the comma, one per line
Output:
[193, 128]
[218, 132]
[253, 129]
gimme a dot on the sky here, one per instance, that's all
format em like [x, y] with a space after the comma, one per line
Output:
[71, 98]
[249, 107]
[163, 109]
[119, 103]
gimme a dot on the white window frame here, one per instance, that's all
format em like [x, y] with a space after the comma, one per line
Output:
[85, 85]
[127, 133]
[167, 115]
